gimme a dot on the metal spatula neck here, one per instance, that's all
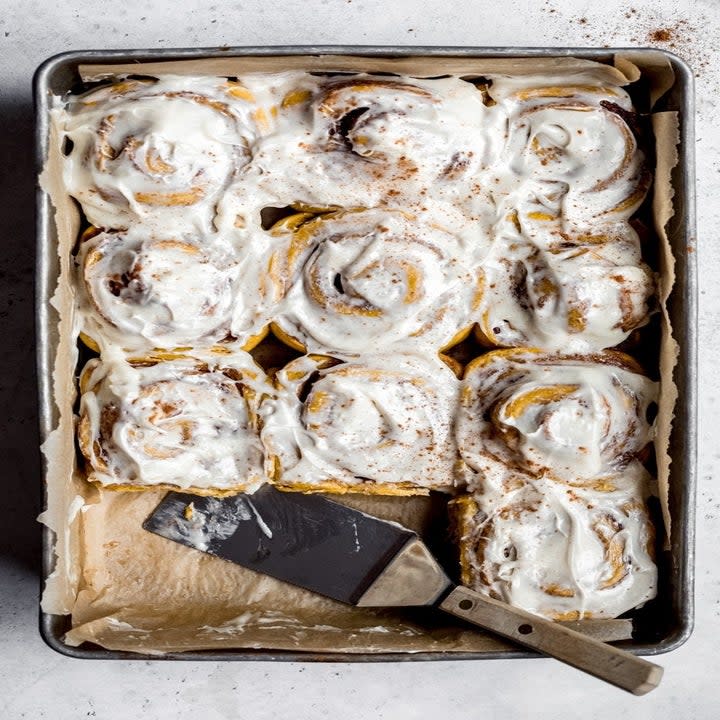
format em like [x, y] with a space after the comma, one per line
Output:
[412, 577]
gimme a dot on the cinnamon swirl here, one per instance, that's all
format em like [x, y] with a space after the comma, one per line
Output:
[579, 419]
[157, 151]
[371, 279]
[563, 290]
[395, 129]
[186, 423]
[368, 141]
[144, 290]
[579, 139]
[378, 425]
[561, 551]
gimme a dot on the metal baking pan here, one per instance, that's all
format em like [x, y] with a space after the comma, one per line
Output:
[669, 622]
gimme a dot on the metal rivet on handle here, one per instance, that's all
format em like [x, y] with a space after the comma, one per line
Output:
[465, 604]
[525, 629]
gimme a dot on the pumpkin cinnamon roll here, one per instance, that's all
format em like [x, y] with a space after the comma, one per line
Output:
[376, 142]
[564, 290]
[578, 419]
[159, 151]
[144, 290]
[371, 279]
[377, 425]
[560, 551]
[581, 137]
[186, 424]
[399, 126]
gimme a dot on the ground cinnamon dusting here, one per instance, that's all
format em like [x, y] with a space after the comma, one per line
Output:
[641, 27]
[661, 35]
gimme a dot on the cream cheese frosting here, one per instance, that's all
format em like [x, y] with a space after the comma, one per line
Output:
[161, 152]
[564, 290]
[382, 423]
[184, 423]
[164, 291]
[578, 419]
[143, 290]
[373, 279]
[571, 137]
[563, 552]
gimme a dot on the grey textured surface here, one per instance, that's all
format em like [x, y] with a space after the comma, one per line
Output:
[19, 452]
[34, 681]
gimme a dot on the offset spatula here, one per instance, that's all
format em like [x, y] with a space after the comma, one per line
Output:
[349, 556]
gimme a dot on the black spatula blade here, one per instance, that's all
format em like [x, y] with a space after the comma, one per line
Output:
[302, 539]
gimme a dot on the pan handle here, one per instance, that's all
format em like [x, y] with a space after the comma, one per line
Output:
[604, 661]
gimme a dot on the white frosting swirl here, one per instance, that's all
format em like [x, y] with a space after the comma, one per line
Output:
[182, 423]
[574, 135]
[409, 144]
[394, 131]
[573, 291]
[162, 291]
[373, 278]
[580, 419]
[380, 424]
[563, 552]
[161, 152]
[144, 290]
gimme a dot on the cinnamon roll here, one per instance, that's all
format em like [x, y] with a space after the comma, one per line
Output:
[368, 141]
[398, 127]
[579, 419]
[377, 425]
[143, 290]
[560, 551]
[371, 279]
[158, 151]
[187, 423]
[579, 138]
[564, 290]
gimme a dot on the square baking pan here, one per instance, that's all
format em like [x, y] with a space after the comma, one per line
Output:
[662, 625]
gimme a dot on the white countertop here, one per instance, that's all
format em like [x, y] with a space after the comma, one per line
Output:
[36, 682]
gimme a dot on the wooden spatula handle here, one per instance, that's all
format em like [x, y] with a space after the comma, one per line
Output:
[604, 661]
